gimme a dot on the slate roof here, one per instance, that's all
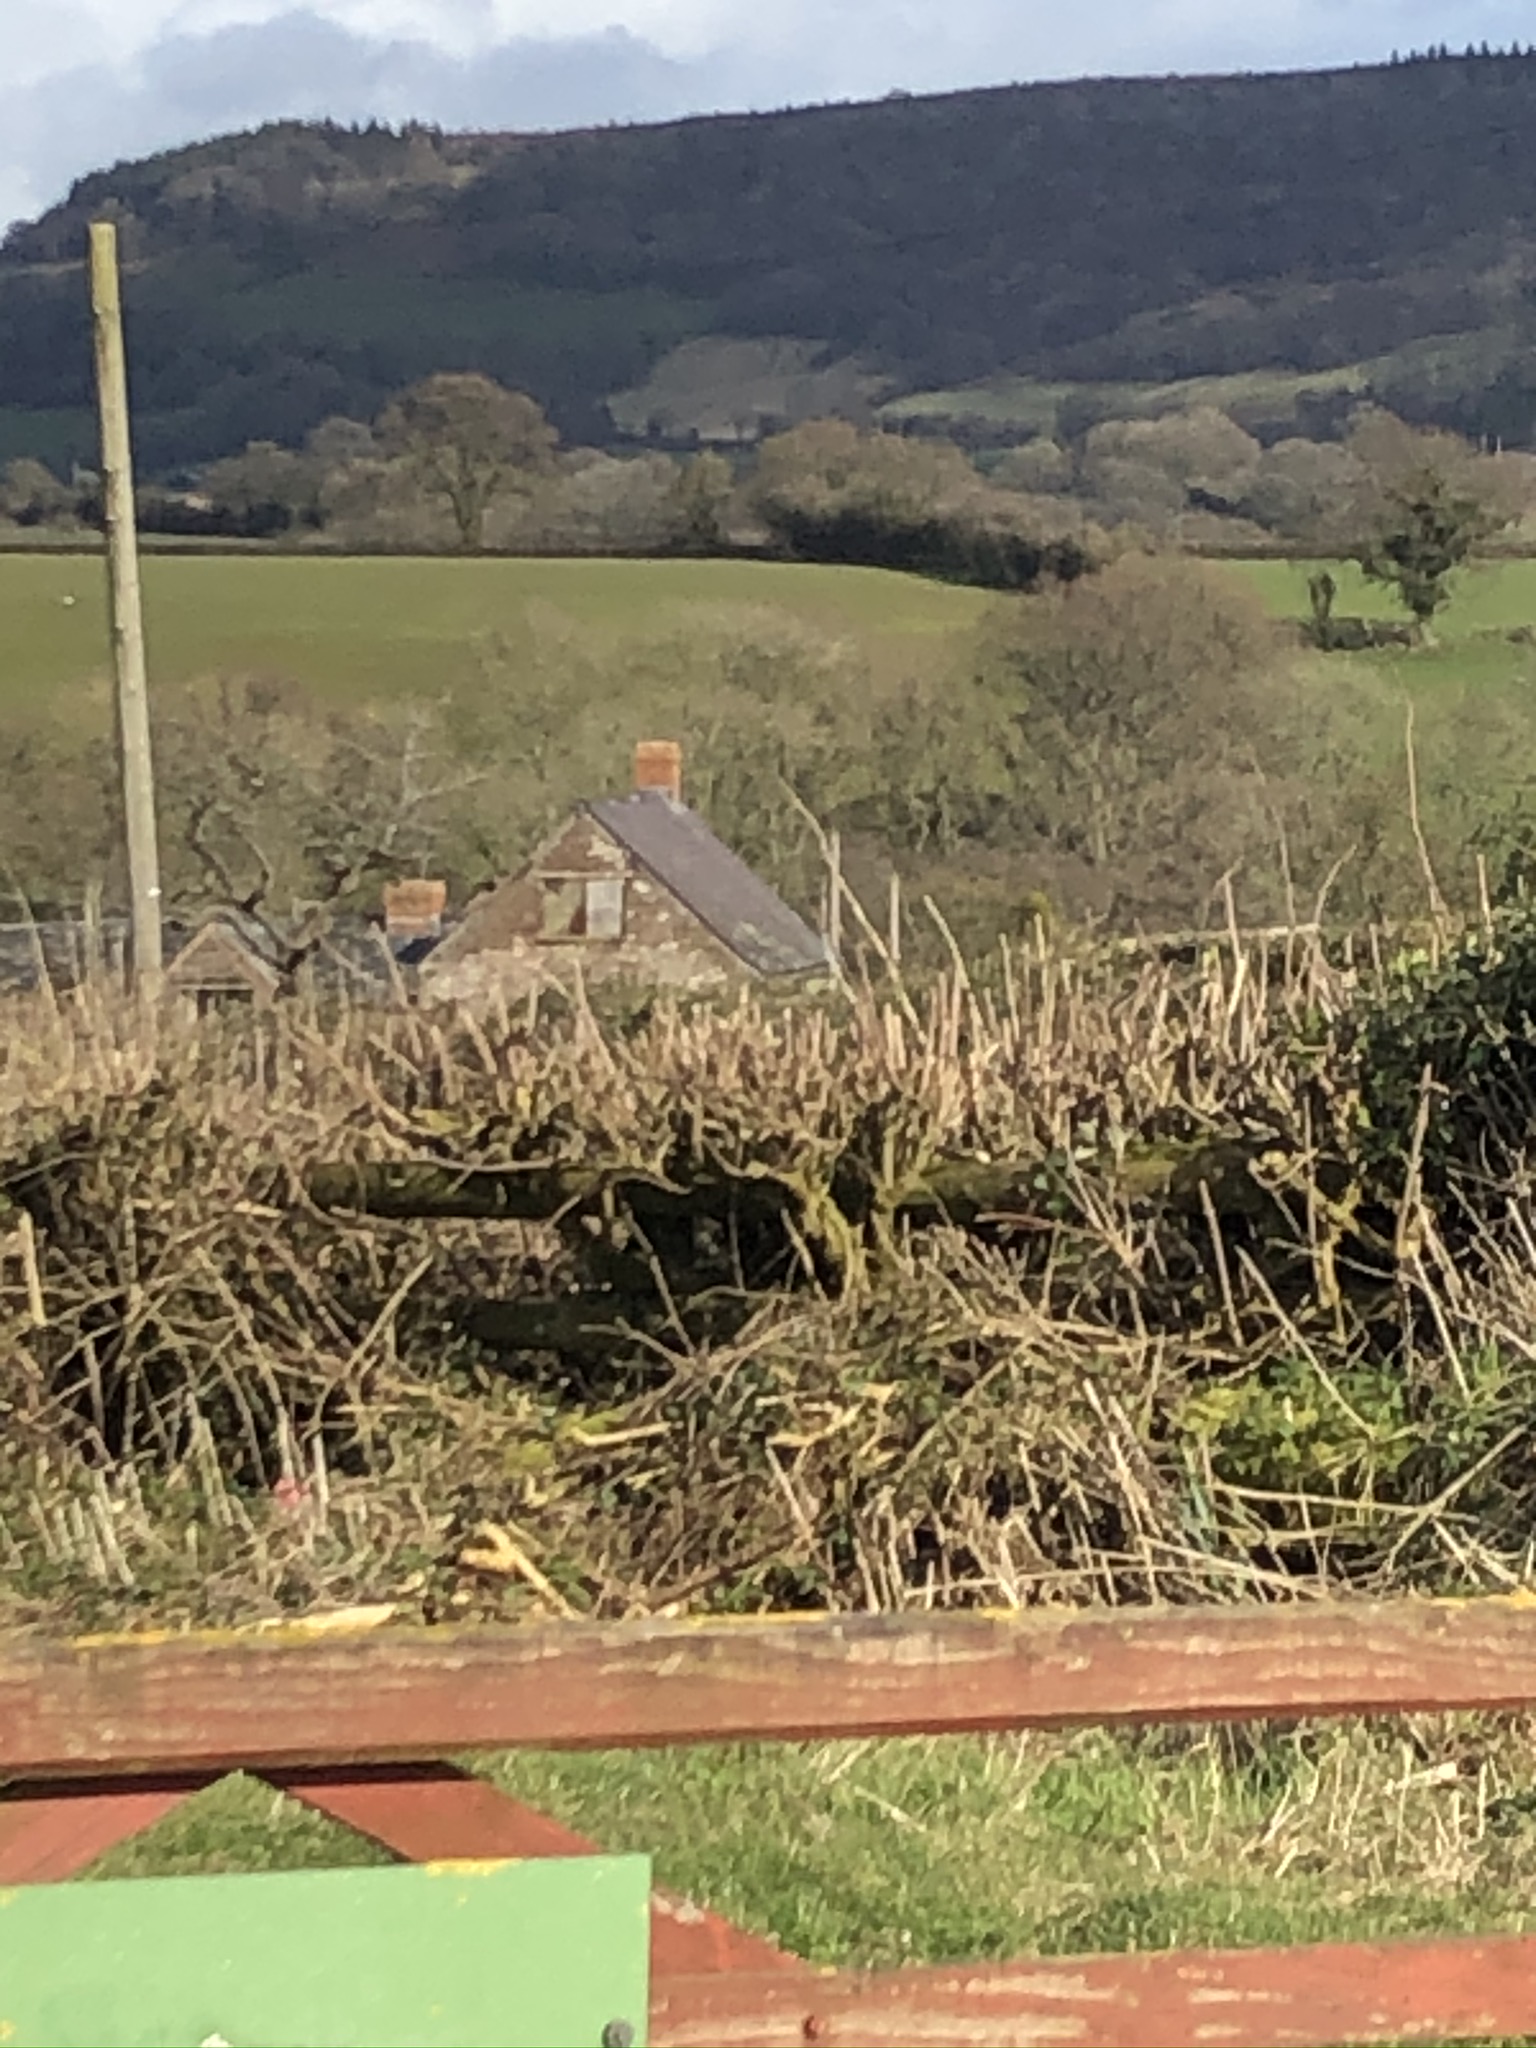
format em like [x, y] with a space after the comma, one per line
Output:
[219, 954]
[250, 933]
[676, 846]
[354, 954]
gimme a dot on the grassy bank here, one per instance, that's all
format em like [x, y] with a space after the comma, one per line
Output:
[1261, 397]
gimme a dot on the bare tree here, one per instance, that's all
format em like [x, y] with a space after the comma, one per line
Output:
[1152, 713]
[288, 817]
[468, 441]
[267, 479]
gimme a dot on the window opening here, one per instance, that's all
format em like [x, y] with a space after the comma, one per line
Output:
[590, 907]
[605, 908]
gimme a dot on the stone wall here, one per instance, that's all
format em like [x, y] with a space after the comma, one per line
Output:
[500, 948]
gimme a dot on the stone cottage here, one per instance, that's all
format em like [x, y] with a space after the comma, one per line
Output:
[634, 888]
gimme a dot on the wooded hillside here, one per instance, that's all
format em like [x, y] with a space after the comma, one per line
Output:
[1106, 230]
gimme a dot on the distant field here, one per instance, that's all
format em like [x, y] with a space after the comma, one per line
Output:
[1491, 596]
[1029, 404]
[369, 627]
[1488, 597]
[1490, 600]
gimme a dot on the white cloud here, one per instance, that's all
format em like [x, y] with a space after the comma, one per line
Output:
[87, 82]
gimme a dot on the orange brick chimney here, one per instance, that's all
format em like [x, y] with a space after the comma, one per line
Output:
[659, 765]
[414, 909]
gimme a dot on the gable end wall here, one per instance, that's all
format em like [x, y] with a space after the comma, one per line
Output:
[499, 949]
[216, 959]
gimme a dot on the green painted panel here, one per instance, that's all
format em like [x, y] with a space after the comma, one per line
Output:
[467, 1955]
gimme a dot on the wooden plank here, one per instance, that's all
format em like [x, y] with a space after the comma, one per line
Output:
[48, 1832]
[290, 1697]
[427, 1812]
[1257, 1998]
[691, 1941]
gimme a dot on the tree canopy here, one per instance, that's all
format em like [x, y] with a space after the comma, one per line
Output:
[1093, 231]
[468, 441]
[1426, 531]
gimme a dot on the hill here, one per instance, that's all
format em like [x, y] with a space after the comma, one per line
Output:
[1070, 235]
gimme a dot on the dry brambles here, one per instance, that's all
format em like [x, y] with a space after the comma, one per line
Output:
[1090, 1277]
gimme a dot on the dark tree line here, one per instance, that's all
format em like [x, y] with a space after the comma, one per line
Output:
[1170, 227]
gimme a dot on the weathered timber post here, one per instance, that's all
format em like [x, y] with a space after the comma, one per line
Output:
[134, 755]
[835, 897]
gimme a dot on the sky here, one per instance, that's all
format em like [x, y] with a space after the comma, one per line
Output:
[86, 83]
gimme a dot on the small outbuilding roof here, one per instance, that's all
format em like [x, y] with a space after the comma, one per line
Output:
[355, 956]
[226, 951]
[675, 845]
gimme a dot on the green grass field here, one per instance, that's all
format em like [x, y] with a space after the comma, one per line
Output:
[879, 1853]
[371, 627]
[1488, 596]
[1030, 403]
[1472, 650]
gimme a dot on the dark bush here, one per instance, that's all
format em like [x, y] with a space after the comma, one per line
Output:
[950, 547]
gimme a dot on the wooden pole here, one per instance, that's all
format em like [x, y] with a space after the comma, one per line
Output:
[134, 753]
[835, 896]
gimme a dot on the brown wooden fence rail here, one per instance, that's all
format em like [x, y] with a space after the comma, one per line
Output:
[101, 1737]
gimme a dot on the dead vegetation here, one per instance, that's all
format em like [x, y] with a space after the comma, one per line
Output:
[1070, 1279]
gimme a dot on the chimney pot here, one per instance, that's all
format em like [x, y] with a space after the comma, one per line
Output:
[413, 909]
[659, 765]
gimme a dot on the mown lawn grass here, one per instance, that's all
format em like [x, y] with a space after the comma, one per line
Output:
[877, 1853]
